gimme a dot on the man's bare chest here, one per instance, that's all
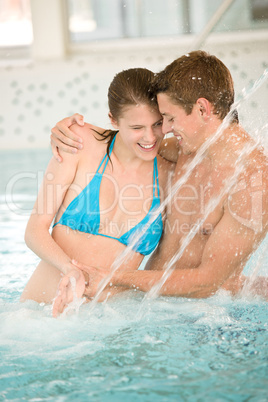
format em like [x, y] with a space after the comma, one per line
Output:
[198, 202]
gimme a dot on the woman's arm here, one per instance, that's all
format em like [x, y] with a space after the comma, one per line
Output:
[57, 180]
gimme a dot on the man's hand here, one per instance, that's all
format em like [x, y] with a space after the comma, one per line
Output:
[62, 138]
[93, 277]
[71, 286]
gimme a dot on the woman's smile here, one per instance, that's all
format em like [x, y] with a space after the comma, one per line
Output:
[147, 147]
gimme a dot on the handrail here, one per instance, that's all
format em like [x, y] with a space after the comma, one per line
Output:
[198, 42]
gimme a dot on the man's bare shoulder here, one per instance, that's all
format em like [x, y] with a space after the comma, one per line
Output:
[248, 199]
[164, 163]
[258, 158]
[255, 171]
[251, 153]
[169, 149]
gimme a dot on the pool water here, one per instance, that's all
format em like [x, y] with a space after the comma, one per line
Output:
[178, 349]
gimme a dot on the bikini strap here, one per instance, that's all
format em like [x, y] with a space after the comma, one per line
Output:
[106, 157]
[155, 179]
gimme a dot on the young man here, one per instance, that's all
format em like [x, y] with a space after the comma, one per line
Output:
[218, 215]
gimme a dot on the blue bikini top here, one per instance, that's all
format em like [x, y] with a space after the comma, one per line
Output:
[83, 214]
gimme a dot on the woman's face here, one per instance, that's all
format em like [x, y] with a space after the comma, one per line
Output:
[140, 129]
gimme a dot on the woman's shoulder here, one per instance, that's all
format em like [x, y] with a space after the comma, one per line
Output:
[94, 142]
[88, 132]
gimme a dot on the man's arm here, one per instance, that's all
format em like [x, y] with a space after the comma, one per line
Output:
[224, 257]
[65, 139]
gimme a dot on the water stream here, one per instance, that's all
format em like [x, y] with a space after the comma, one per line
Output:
[246, 93]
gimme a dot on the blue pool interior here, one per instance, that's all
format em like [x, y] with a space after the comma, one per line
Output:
[177, 350]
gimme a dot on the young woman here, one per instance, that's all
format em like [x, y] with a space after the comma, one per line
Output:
[103, 195]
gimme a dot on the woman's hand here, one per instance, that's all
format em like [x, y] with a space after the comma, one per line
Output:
[71, 286]
[62, 138]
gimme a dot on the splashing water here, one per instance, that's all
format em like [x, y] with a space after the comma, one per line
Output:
[200, 154]
[182, 350]
[76, 302]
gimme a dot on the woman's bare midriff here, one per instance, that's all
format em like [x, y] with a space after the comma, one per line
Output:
[92, 250]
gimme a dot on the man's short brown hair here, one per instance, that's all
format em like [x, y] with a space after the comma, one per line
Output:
[197, 75]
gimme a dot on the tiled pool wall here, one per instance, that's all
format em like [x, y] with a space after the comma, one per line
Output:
[37, 95]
